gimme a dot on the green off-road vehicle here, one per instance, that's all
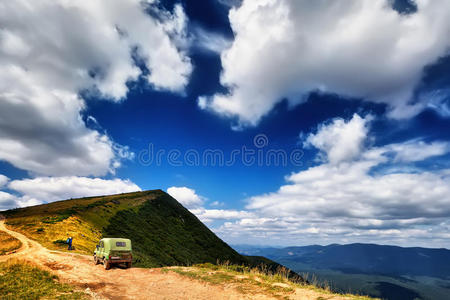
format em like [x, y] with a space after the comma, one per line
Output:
[111, 251]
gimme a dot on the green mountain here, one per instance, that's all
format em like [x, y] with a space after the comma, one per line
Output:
[162, 231]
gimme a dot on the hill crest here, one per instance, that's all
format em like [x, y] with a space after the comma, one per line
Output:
[162, 231]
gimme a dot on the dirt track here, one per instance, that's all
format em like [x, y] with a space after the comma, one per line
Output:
[134, 283]
[117, 283]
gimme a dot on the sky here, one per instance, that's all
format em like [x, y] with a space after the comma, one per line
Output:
[275, 122]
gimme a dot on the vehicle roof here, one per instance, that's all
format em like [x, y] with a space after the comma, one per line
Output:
[115, 239]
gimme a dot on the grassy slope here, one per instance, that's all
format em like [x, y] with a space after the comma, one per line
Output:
[8, 243]
[162, 231]
[20, 280]
[250, 281]
[83, 219]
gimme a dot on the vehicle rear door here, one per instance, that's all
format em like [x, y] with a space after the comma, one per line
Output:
[101, 249]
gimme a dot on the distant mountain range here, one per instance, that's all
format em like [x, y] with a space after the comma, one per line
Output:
[363, 258]
[389, 272]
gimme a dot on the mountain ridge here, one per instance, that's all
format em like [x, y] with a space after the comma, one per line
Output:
[385, 271]
[364, 258]
[163, 232]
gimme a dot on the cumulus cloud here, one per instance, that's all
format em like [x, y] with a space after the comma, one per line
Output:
[348, 190]
[341, 200]
[340, 140]
[359, 48]
[185, 196]
[51, 52]
[48, 189]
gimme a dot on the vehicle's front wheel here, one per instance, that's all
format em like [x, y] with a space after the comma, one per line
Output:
[96, 261]
[106, 264]
[129, 264]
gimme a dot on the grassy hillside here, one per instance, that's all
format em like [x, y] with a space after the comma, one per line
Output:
[84, 219]
[162, 231]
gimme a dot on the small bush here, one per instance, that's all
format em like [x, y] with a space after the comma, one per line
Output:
[60, 242]
[55, 219]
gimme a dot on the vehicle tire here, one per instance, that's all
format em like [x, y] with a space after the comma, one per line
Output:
[106, 264]
[96, 262]
[128, 265]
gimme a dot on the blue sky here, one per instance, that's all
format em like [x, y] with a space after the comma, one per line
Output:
[366, 110]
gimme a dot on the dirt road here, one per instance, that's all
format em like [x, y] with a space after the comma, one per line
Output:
[117, 283]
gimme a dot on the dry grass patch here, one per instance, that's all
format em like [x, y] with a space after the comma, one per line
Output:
[253, 281]
[22, 280]
[8, 243]
[54, 235]
[83, 219]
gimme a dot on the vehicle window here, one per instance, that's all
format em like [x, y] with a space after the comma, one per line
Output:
[101, 244]
[121, 244]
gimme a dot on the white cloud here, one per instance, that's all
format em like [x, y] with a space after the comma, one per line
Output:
[202, 102]
[48, 189]
[51, 51]
[417, 150]
[26, 201]
[3, 180]
[185, 196]
[194, 202]
[209, 215]
[340, 141]
[210, 41]
[340, 200]
[7, 200]
[217, 203]
[357, 48]
[439, 100]
[348, 190]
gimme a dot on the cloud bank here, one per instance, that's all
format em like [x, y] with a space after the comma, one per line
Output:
[343, 200]
[48, 189]
[358, 48]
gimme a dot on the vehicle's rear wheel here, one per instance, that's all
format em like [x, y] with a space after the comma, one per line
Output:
[106, 264]
[129, 264]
